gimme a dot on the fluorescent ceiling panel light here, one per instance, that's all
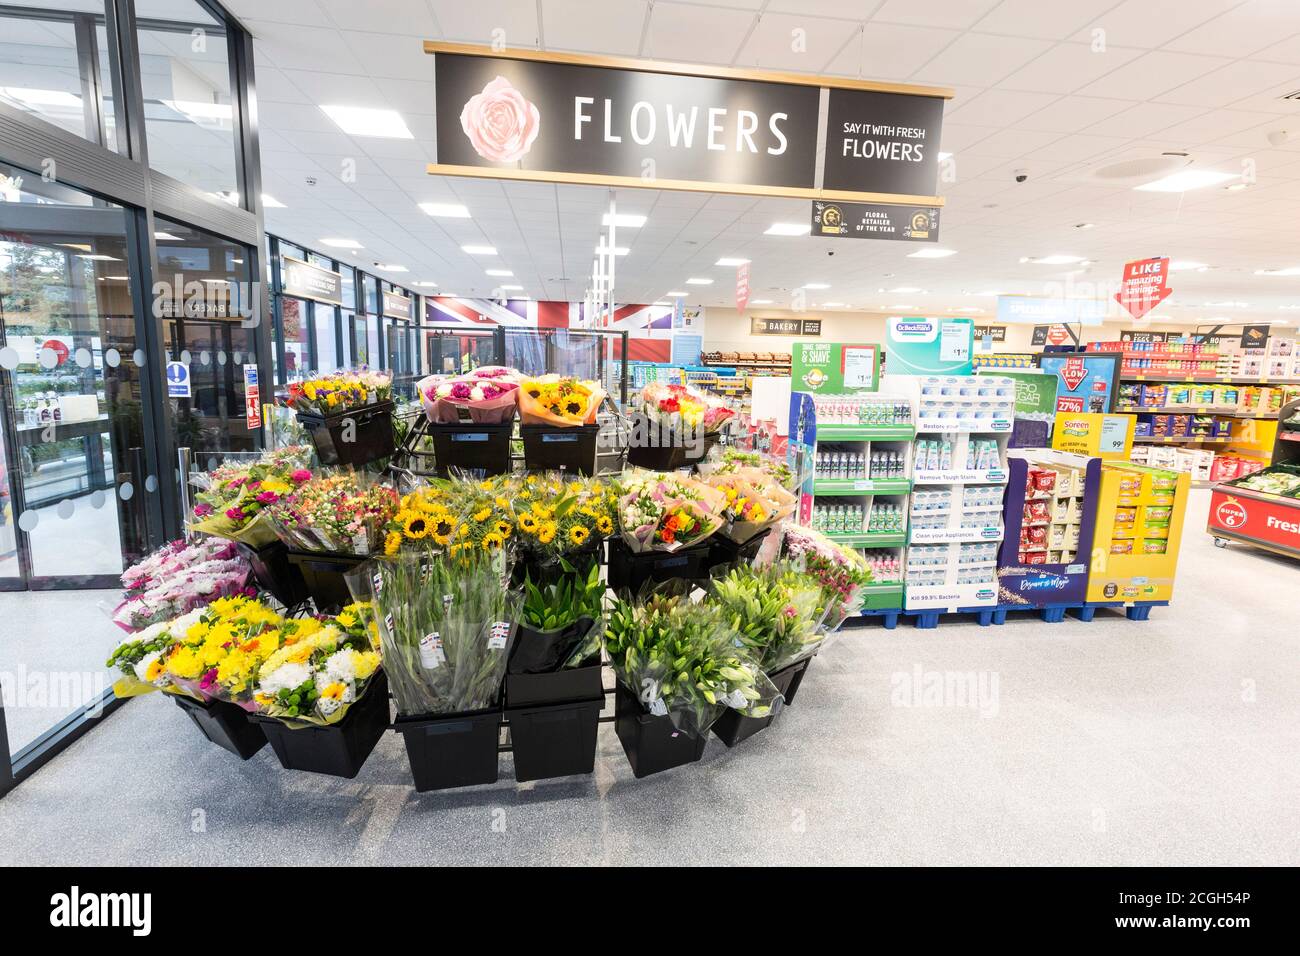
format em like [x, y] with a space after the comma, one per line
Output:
[1185, 265]
[730, 261]
[623, 220]
[392, 268]
[425, 284]
[193, 108]
[342, 244]
[480, 250]
[932, 253]
[661, 303]
[832, 305]
[903, 307]
[364, 121]
[816, 285]
[1289, 271]
[512, 287]
[1181, 182]
[788, 229]
[618, 250]
[677, 295]
[698, 281]
[1055, 260]
[34, 97]
[447, 210]
[760, 302]
[270, 202]
[505, 273]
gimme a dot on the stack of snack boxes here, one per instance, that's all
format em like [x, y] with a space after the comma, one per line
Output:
[1049, 533]
[1139, 528]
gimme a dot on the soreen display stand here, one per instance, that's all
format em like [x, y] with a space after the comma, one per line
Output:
[338, 749]
[472, 447]
[1139, 529]
[1049, 520]
[557, 448]
[355, 437]
[226, 725]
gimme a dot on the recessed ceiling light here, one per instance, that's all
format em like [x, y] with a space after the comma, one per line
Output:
[447, 210]
[699, 281]
[832, 305]
[270, 202]
[730, 261]
[623, 220]
[511, 287]
[1288, 271]
[498, 272]
[618, 250]
[480, 250]
[1085, 225]
[760, 301]
[95, 257]
[788, 229]
[816, 285]
[931, 253]
[1186, 265]
[391, 268]
[425, 284]
[364, 121]
[342, 244]
[905, 289]
[194, 108]
[1187, 179]
[1236, 187]
[42, 97]
[1055, 260]
[678, 295]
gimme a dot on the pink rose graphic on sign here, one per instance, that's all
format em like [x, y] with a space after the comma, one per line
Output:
[500, 123]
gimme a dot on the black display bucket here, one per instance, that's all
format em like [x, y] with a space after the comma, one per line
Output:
[629, 569]
[541, 652]
[652, 744]
[571, 685]
[800, 668]
[733, 727]
[473, 447]
[452, 750]
[527, 566]
[724, 551]
[275, 573]
[324, 576]
[339, 749]
[372, 437]
[225, 724]
[558, 740]
[557, 448]
[665, 451]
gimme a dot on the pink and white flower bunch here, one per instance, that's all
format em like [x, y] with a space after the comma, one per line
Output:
[486, 396]
[178, 578]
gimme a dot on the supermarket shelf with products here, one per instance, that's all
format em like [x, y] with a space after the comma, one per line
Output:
[1262, 509]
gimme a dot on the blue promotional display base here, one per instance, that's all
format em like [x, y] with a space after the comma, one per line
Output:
[888, 617]
[1135, 611]
[1050, 614]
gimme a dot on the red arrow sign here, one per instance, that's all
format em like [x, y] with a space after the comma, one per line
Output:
[1144, 286]
[1073, 372]
[742, 286]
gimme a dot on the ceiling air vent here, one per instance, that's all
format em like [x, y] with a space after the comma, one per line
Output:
[1294, 96]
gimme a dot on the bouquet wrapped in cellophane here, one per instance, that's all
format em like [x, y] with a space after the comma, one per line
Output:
[445, 627]
[841, 572]
[341, 513]
[426, 520]
[178, 578]
[232, 499]
[678, 408]
[558, 516]
[559, 400]
[754, 502]
[659, 512]
[722, 461]
[486, 396]
[560, 622]
[682, 660]
[775, 610]
[340, 392]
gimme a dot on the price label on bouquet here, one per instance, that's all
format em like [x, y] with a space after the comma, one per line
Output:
[432, 655]
[497, 636]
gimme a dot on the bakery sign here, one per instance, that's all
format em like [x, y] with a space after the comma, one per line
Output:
[785, 326]
[557, 117]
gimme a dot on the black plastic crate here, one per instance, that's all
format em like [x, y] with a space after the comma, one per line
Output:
[473, 447]
[452, 750]
[558, 740]
[225, 724]
[733, 727]
[558, 687]
[799, 668]
[372, 436]
[557, 448]
[324, 576]
[630, 569]
[581, 562]
[339, 749]
[665, 451]
[275, 573]
[724, 551]
[652, 744]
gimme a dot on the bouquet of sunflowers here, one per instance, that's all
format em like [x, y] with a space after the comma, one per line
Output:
[341, 392]
[232, 499]
[754, 503]
[559, 400]
[486, 516]
[659, 512]
[424, 521]
[557, 518]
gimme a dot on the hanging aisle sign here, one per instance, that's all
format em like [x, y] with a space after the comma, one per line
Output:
[397, 306]
[862, 220]
[742, 287]
[557, 117]
[306, 281]
[1144, 286]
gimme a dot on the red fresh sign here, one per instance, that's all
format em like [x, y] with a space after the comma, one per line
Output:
[742, 286]
[1144, 286]
[1073, 373]
[1272, 524]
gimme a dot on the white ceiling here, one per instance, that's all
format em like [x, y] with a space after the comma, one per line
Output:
[1056, 88]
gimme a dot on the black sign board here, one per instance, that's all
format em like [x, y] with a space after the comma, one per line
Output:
[997, 333]
[805, 327]
[882, 142]
[870, 220]
[1254, 336]
[1039, 336]
[396, 305]
[306, 281]
[527, 115]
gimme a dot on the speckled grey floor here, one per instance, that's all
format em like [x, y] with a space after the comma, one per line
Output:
[1173, 741]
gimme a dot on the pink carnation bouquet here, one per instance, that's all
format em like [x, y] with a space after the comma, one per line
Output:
[486, 396]
[178, 578]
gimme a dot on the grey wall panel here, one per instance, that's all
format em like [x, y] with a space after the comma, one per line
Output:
[28, 141]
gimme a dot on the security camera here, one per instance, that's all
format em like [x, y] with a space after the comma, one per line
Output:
[830, 252]
[1021, 175]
